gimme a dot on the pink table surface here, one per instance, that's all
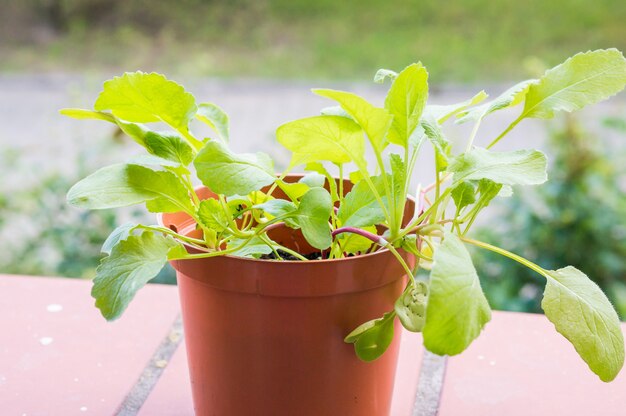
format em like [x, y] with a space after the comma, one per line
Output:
[58, 356]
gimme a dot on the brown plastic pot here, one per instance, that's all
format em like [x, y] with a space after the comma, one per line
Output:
[266, 337]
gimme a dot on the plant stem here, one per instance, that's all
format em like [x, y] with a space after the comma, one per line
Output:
[508, 254]
[504, 133]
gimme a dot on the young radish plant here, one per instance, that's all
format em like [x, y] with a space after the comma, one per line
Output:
[449, 308]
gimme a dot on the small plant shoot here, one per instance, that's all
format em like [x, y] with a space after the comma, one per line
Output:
[449, 307]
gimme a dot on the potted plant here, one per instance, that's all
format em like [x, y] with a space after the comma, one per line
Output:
[276, 272]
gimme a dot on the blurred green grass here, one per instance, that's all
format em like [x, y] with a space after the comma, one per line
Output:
[460, 41]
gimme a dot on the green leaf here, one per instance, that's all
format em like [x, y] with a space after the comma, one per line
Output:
[214, 117]
[382, 74]
[372, 338]
[227, 173]
[355, 243]
[373, 120]
[212, 215]
[312, 216]
[169, 146]
[509, 98]
[581, 312]
[132, 263]
[398, 180]
[585, 78]
[335, 110]
[411, 306]
[359, 207]
[457, 308]
[440, 143]
[255, 247]
[119, 234]
[108, 187]
[313, 180]
[168, 192]
[332, 184]
[294, 191]
[80, 114]
[279, 208]
[519, 167]
[464, 194]
[332, 138]
[405, 101]
[141, 98]
[441, 113]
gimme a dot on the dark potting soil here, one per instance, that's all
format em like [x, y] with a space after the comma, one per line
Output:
[286, 256]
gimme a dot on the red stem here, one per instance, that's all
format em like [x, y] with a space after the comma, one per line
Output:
[372, 237]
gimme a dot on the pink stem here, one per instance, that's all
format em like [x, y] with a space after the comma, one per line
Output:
[373, 237]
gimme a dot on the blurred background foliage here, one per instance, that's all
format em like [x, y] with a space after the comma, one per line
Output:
[304, 39]
[576, 218]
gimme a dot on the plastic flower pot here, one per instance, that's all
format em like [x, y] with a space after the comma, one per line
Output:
[265, 337]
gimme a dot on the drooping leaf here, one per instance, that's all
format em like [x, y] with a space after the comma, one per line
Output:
[382, 74]
[411, 306]
[373, 120]
[519, 167]
[457, 308]
[360, 207]
[441, 113]
[581, 312]
[120, 233]
[312, 217]
[405, 101]
[131, 264]
[147, 97]
[279, 208]
[372, 338]
[585, 78]
[332, 138]
[227, 173]
[214, 117]
[212, 215]
[255, 248]
[509, 98]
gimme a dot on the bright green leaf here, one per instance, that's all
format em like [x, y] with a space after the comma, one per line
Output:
[360, 207]
[457, 308]
[355, 243]
[80, 114]
[214, 117]
[332, 183]
[440, 143]
[382, 74]
[212, 215]
[132, 263]
[227, 173]
[168, 192]
[519, 167]
[405, 101]
[141, 98]
[441, 113]
[169, 146]
[313, 180]
[581, 312]
[585, 78]
[332, 138]
[373, 120]
[464, 194]
[509, 98]
[293, 190]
